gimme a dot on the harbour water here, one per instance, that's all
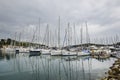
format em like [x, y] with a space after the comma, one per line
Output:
[46, 67]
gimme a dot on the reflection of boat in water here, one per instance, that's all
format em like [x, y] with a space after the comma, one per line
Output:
[34, 52]
[84, 57]
[70, 58]
[7, 56]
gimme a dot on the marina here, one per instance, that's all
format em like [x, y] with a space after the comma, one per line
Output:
[59, 39]
[32, 60]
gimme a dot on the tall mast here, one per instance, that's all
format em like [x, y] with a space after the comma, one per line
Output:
[50, 38]
[65, 37]
[39, 32]
[81, 30]
[116, 40]
[48, 34]
[56, 38]
[59, 32]
[45, 36]
[87, 35]
[19, 39]
[74, 35]
[68, 34]
[15, 39]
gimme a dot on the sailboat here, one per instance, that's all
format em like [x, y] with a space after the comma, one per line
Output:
[84, 52]
[68, 52]
[57, 52]
[34, 51]
[46, 51]
[20, 48]
[8, 49]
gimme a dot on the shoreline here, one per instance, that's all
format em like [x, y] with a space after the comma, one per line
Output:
[113, 72]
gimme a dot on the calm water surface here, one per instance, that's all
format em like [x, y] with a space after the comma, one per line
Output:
[45, 67]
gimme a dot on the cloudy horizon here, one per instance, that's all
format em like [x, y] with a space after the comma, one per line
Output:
[23, 16]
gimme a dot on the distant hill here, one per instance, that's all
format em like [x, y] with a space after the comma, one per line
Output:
[7, 42]
[87, 44]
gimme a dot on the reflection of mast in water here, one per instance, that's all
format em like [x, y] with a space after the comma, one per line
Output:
[76, 71]
[14, 62]
[59, 71]
[90, 67]
[69, 67]
[83, 70]
[37, 68]
[32, 65]
[65, 70]
[18, 63]
[43, 65]
[48, 70]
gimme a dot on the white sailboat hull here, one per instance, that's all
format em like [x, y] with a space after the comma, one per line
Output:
[55, 52]
[68, 53]
[83, 54]
[45, 52]
[8, 50]
[23, 50]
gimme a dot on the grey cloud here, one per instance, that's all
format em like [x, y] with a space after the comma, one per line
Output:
[20, 14]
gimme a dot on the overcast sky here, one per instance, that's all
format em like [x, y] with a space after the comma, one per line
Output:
[102, 16]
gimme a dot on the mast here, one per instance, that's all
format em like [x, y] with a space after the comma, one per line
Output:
[59, 32]
[68, 34]
[50, 39]
[81, 30]
[116, 40]
[15, 39]
[48, 34]
[19, 39]
[55, 38]
[39, 33]
[87, 35]
[44, 38]
[74, 35]
[33, 36]
[65, 38]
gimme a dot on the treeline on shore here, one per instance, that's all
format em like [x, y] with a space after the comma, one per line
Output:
[9, 41]
[97, 45]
